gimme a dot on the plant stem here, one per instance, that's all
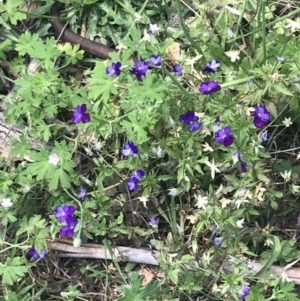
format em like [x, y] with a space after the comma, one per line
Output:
[175, 81]
[183, 27]
[295, 12]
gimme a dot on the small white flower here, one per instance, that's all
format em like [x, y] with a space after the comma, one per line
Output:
[53, 159]
[201, 201]
[144, 200]
[172, 192]
[239, 223]
[138, 17]
[286, 175]
[287, 122]
[230, 33]
[213, 168]
[153, 28]
[26, 188]
[6, 202]
[240, 202]
[157, 151]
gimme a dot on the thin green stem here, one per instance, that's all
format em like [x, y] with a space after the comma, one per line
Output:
[175, 81]
[239, 22]
[134, 23]
[186, 32]
[263, 31]
[236, 82]
[295, 12]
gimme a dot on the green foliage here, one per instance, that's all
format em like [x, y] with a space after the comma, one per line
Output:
[134, 290]
[12, 11]
[12, 269]
[196, 185]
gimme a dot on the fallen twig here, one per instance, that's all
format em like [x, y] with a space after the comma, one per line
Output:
[150, 257]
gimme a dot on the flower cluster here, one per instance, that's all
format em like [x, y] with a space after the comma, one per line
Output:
[139, 69]
[191, 120]
[32, 253]
[261, 116]
[134, 179]
[65, 214]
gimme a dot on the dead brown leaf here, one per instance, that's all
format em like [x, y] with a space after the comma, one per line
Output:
[148, 276]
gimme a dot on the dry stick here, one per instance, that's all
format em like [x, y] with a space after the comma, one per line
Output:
[150, 257]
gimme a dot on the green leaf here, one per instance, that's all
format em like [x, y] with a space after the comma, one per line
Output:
[273, 255]
[173, 275]
[35, 223]
[60, 176]
[4, 47]
[72, 51]
[13, 11]
[24, 42]
[100, 85]
[20, 147]
[136, 126]
[281, 89]
[12, 270]
[5, 181]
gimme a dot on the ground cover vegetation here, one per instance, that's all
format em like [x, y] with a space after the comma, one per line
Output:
[183, 141]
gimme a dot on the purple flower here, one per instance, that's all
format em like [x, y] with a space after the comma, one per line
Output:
[32, 253]
[139, 174]
[64, 213]
[80, 114]
[245, 291]
[139, 69]
[133, 183]
[261, 116]
[191, 120]
[96, 147]
[129, 149]
[207, 88]
[82, 193]
[216, 125]
[224, 136]
[264, 135]
[155, 60]
[69, 228]
[153, 221]
[114, 69]
[213, 66]
[217, 241]
[177, 69]
[242, 163]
